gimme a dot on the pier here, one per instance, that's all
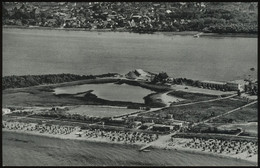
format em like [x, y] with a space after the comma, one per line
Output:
[159, 141]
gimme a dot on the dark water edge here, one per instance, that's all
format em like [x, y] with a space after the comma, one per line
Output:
[182, 33]
[21, 149]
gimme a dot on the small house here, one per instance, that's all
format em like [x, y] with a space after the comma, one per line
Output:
[6, 111]
[162, 128]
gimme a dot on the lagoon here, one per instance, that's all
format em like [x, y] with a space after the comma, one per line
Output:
[32, 51]
[109, 91]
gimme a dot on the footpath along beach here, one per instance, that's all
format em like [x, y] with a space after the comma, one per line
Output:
[118, 137]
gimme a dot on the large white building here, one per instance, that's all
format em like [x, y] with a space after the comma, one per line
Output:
[236, 85]
[213, 84]
[5, 111]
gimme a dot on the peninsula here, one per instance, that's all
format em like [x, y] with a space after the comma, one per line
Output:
[210, 117]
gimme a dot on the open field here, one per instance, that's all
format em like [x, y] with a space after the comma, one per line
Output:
[193, 89]
[188, 97]
[100, 111]
[251, 128]
[199, 112]
[245, 114]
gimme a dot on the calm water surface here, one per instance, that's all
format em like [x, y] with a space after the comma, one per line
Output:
[109, 91]
[53, 51]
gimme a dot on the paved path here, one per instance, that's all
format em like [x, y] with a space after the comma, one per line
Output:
[239, 133]
[159, 141]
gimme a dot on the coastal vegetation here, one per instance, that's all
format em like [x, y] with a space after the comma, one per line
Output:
[34, 80]
[191, 97]
[198, 112]
[161, 78]
[246, 114]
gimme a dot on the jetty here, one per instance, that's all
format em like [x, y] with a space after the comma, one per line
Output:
[159, 141]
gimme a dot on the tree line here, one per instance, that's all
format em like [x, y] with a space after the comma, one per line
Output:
[34, 80]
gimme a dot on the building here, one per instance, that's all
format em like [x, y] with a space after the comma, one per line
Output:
[5, 111]
[213, 84]
[147, 126]
[252, 87]
[255, 88]
[140, 74]
[137, 123]
[162, 128]
[236, 85]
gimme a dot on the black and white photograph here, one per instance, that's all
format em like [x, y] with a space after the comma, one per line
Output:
[130, 83]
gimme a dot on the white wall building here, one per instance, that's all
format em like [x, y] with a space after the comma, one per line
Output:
[5, 111]
[236, 85]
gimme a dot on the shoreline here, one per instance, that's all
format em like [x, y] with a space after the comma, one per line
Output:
[163, 146]
[70, 137]
[183, 33]
[178, 147]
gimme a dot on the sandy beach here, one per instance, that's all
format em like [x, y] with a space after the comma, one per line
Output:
[178, 144]
[75, 133]
[33, 150]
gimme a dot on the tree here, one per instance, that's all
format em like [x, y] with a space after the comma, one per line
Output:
[238, 93]
[161, 77]
[5, 13]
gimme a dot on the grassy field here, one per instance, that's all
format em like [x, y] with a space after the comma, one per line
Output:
[100, 111]
[193, 89]
[249, 128]
[249, 113]
[201, 111]
[188, 97]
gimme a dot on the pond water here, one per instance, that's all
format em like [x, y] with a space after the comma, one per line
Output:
[109, 91]
[28, 51]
